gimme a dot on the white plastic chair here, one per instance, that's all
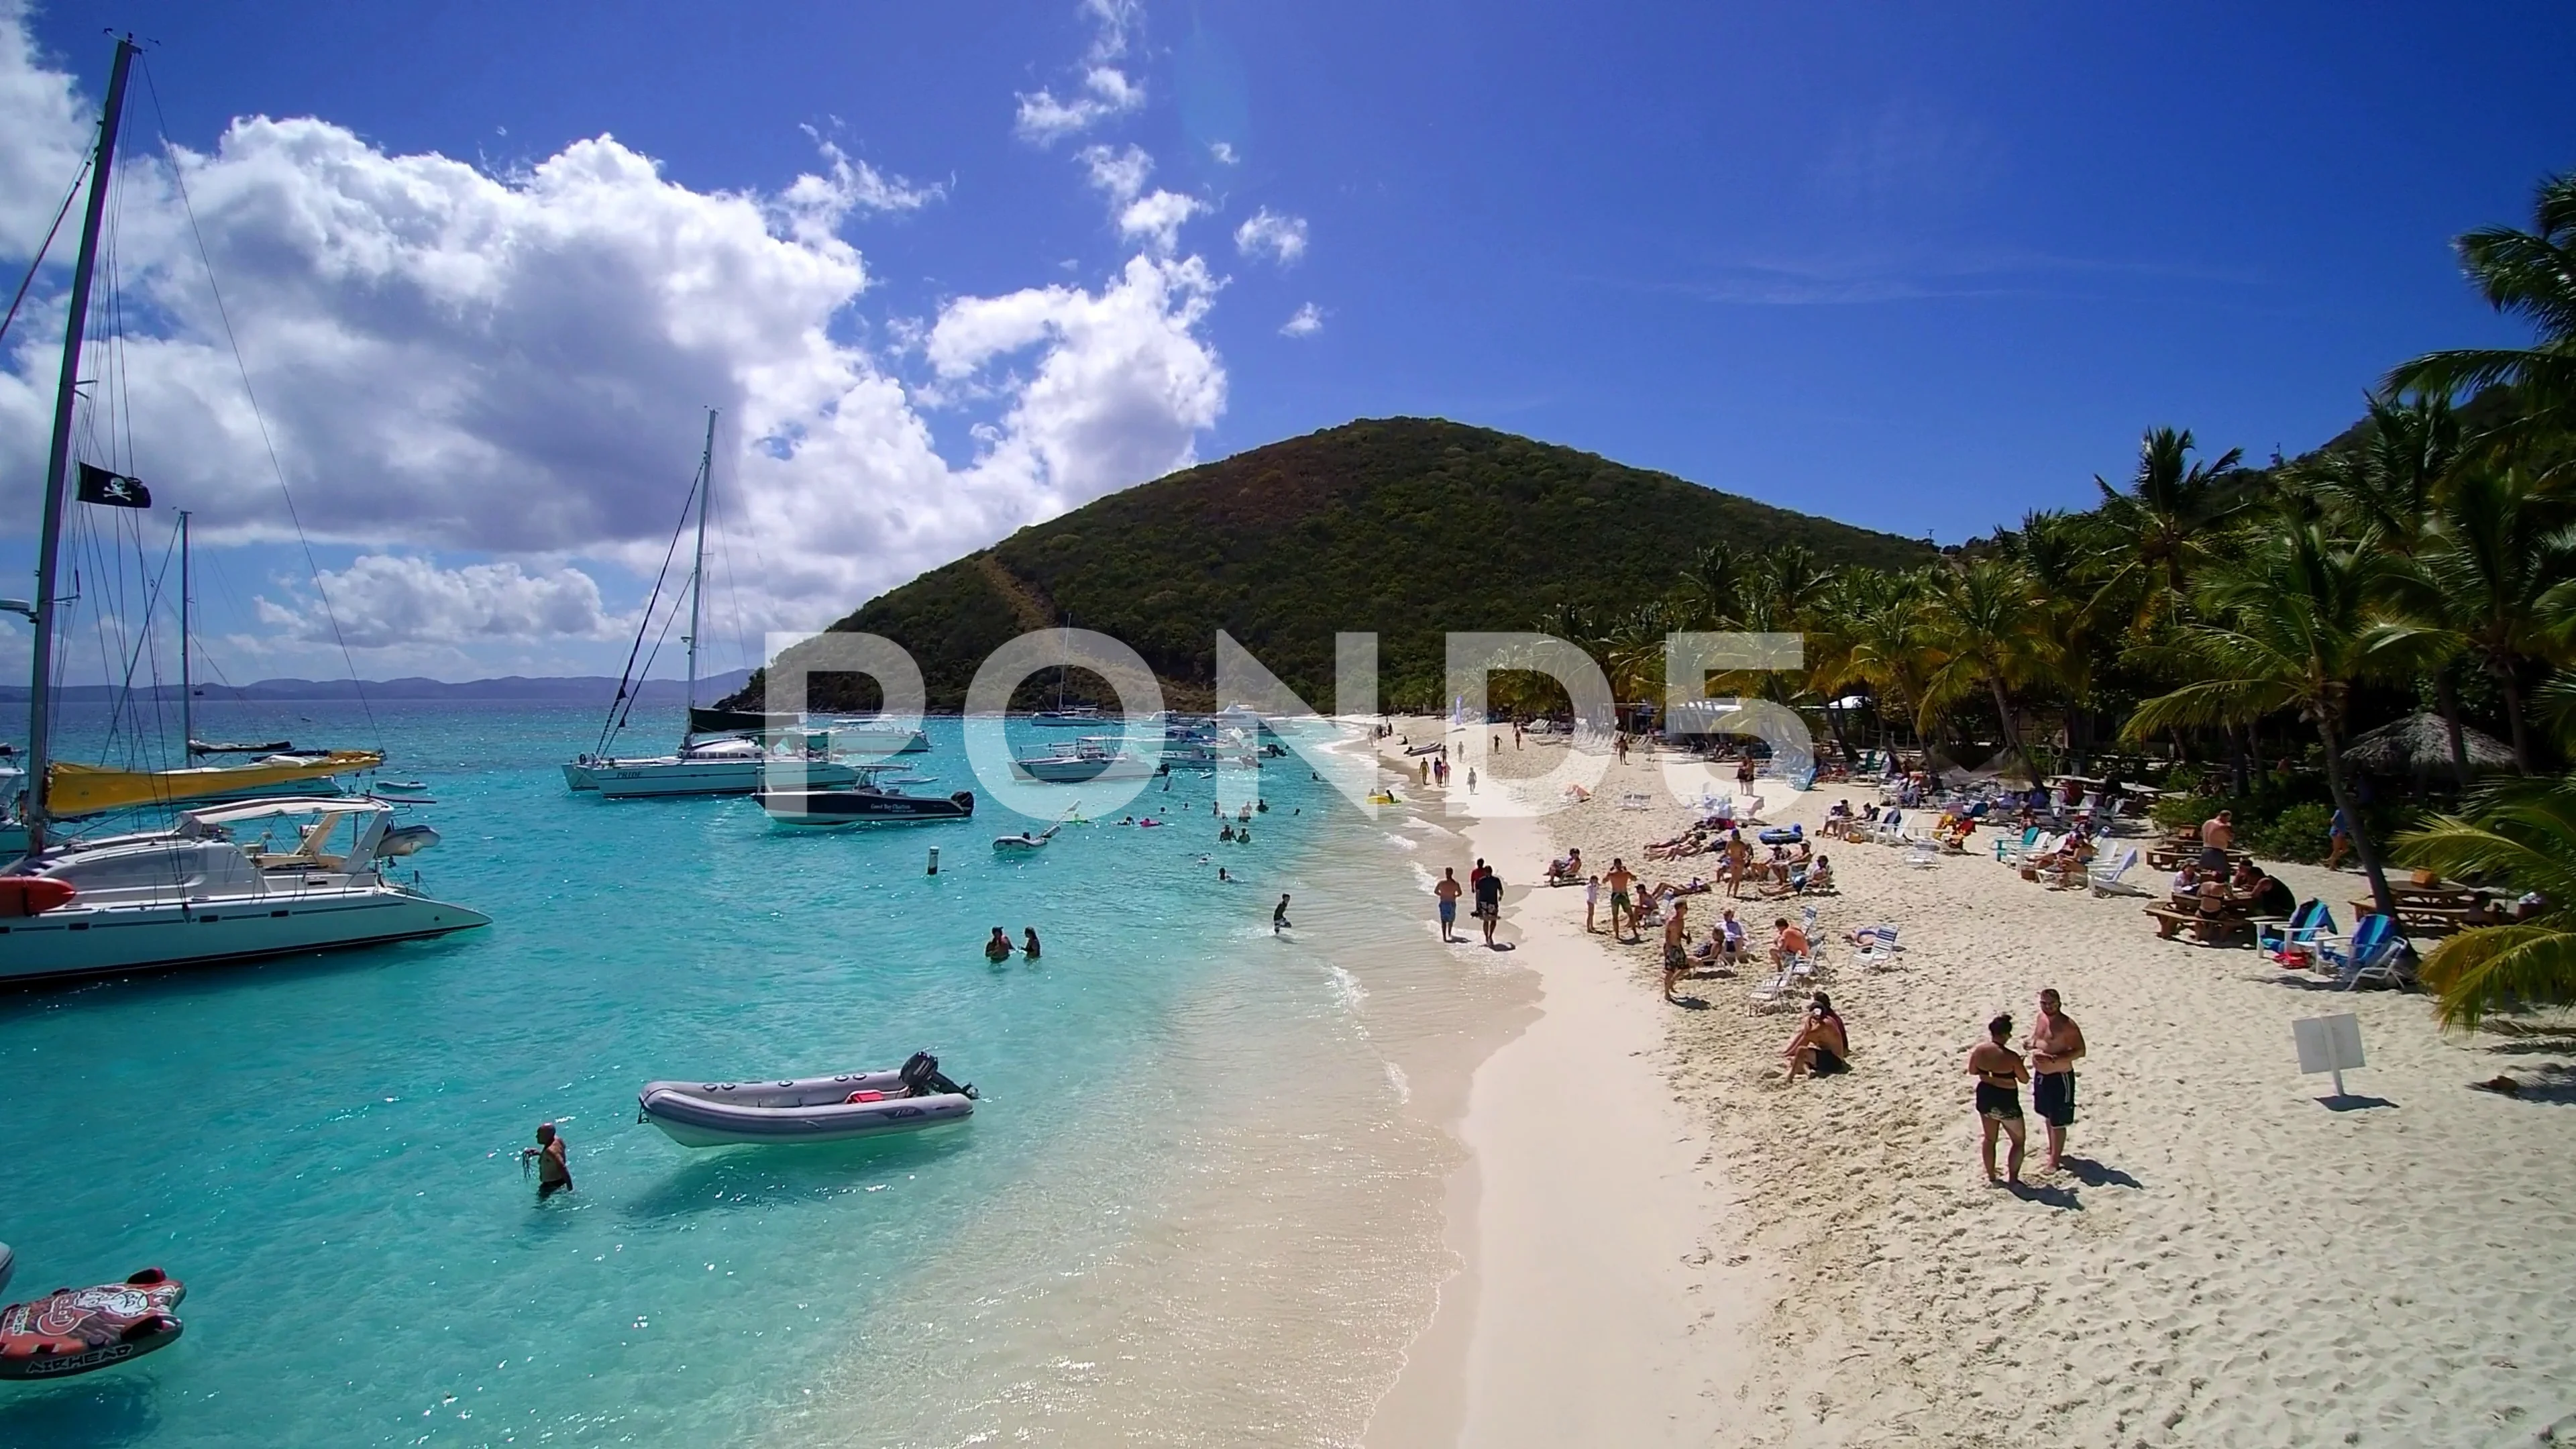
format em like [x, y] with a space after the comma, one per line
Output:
[2109, 882]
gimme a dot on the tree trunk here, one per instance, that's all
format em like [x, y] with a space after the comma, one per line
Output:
[2004, 721]
[1842, 743]
[2446, 697]
[2523, 761]
[2380, 895]
[2239, 783]
[2079, 737]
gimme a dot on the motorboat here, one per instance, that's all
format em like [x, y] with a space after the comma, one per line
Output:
[78, 1330]
[1086, 759]
[871, 801]
[1025, 841]
[198, 893]
[1071, 717]
[878, 735]
[807, 1110]
[402, 787]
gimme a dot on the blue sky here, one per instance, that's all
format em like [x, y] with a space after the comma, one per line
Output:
[1914, 269]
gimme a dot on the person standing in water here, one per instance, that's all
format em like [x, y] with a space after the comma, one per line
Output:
[1448, 890]
[2055, 1044]
[1999, 1071]
[1029, 943]
[998, 949]
[1489, 903]
[1279, 917]
[554, 1172]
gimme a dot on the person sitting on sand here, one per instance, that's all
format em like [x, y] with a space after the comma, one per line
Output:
[1822, 1047]
[998, 949]
[1566, 867]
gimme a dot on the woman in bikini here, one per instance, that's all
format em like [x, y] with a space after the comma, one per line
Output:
[1822, 1047]
[1999, 1071]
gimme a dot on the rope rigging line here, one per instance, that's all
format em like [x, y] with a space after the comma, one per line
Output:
[321, 591]
[37, 263]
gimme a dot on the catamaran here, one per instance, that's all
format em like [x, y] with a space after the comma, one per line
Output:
[191, 892]
[737, 762]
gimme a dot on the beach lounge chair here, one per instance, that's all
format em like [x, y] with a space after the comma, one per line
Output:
[2108, 882]
[2373, 953]
[2007, 849]
[1877, 950]
[2294, 941]
[1773, 994]
[1889, 829]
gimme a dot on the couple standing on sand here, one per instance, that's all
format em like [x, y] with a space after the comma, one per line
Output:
[1488, 888]
[2055, 1044]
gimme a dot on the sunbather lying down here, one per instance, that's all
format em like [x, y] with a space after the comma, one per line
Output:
[1695, 887]
[1689, 842]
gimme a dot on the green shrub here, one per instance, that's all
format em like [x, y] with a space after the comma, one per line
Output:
[2297, 833]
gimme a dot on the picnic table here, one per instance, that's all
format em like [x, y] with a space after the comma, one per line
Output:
[2432, 910]
[2174, 855]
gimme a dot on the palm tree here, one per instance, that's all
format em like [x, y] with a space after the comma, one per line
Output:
[1863, 631]
[1712, 587]
[2482, 585]
[2523, 833]
[2525, 274]
[2061, 552]
[1984, 626]
[2285, 626]
[2169, 520]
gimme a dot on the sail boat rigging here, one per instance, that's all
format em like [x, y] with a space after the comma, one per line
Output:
[734, 761]
[190, 893]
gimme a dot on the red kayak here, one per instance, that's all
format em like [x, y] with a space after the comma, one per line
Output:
[74, 1330]
[32, 895]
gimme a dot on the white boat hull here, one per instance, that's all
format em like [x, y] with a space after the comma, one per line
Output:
[578, 777]
[76, 940]
[643, 779]
[1077, 771]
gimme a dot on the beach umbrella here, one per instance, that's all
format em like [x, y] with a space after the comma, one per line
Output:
[2420, 745]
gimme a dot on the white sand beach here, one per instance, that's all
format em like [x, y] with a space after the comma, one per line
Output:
[2227, 1259]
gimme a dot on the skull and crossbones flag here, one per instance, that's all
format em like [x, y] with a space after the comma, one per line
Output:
[115, 490]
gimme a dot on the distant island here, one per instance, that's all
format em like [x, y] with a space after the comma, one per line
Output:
[595, 689]
[1411, 527]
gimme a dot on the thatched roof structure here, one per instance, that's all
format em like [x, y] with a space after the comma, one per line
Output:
[2420, 745]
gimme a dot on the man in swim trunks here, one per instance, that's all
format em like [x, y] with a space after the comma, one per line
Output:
[554, 1173]
[1279, 917]
[1448, 890]
[1999, 1071]
[1489, 903]
[2055, 1044]
[1618, 880]
[1676, 947]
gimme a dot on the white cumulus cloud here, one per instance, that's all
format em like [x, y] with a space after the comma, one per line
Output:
[517, 366]
[382, 600]
[1223, 154]
[1269, 234]
[1107, 90]
[1306, 321]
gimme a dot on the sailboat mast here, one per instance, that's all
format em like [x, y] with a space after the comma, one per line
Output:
[698, 567]
[50, 538]
[187, 685]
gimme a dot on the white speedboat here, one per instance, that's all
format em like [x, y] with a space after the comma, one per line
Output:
[808, 1109]
[1090, 758]
[877, 735]
[197, 893]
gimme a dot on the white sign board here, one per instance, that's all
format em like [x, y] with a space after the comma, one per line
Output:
[2328, 1044]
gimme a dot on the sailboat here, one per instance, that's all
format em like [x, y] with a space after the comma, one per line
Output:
[738, 762]
[1068, 716]
[192, 892]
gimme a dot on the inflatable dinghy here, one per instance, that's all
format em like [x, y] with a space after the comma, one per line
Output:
[812, 1109]
[1783, 835]
[76, 1330]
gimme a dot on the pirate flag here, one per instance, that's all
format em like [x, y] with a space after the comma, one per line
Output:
[115, 490]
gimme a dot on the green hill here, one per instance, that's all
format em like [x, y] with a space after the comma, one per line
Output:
[1411, 527]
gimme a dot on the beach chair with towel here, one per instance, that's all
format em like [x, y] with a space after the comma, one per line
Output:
[2375, 952]
[2006, 849]
[1877, 948]
[2294, 942]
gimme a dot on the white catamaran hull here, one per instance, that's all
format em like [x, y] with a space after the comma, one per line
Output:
[640, 779]
[75, 940]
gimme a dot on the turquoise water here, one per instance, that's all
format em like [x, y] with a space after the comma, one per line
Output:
[325, 1150]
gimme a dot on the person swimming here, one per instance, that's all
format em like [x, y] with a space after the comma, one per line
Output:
[1221, 875]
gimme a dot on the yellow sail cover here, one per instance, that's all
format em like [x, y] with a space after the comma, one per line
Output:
[89, 789]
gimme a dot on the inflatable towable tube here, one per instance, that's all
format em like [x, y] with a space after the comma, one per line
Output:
[76, 1330]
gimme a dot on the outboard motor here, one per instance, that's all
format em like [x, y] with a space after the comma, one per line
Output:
[921, 1078]
[964, 800]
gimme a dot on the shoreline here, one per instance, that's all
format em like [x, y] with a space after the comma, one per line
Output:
[1584, 1217]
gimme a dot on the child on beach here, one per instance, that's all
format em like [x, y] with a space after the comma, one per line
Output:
[1591, 899]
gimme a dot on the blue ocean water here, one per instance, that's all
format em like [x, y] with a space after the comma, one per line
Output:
[325, 1149]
